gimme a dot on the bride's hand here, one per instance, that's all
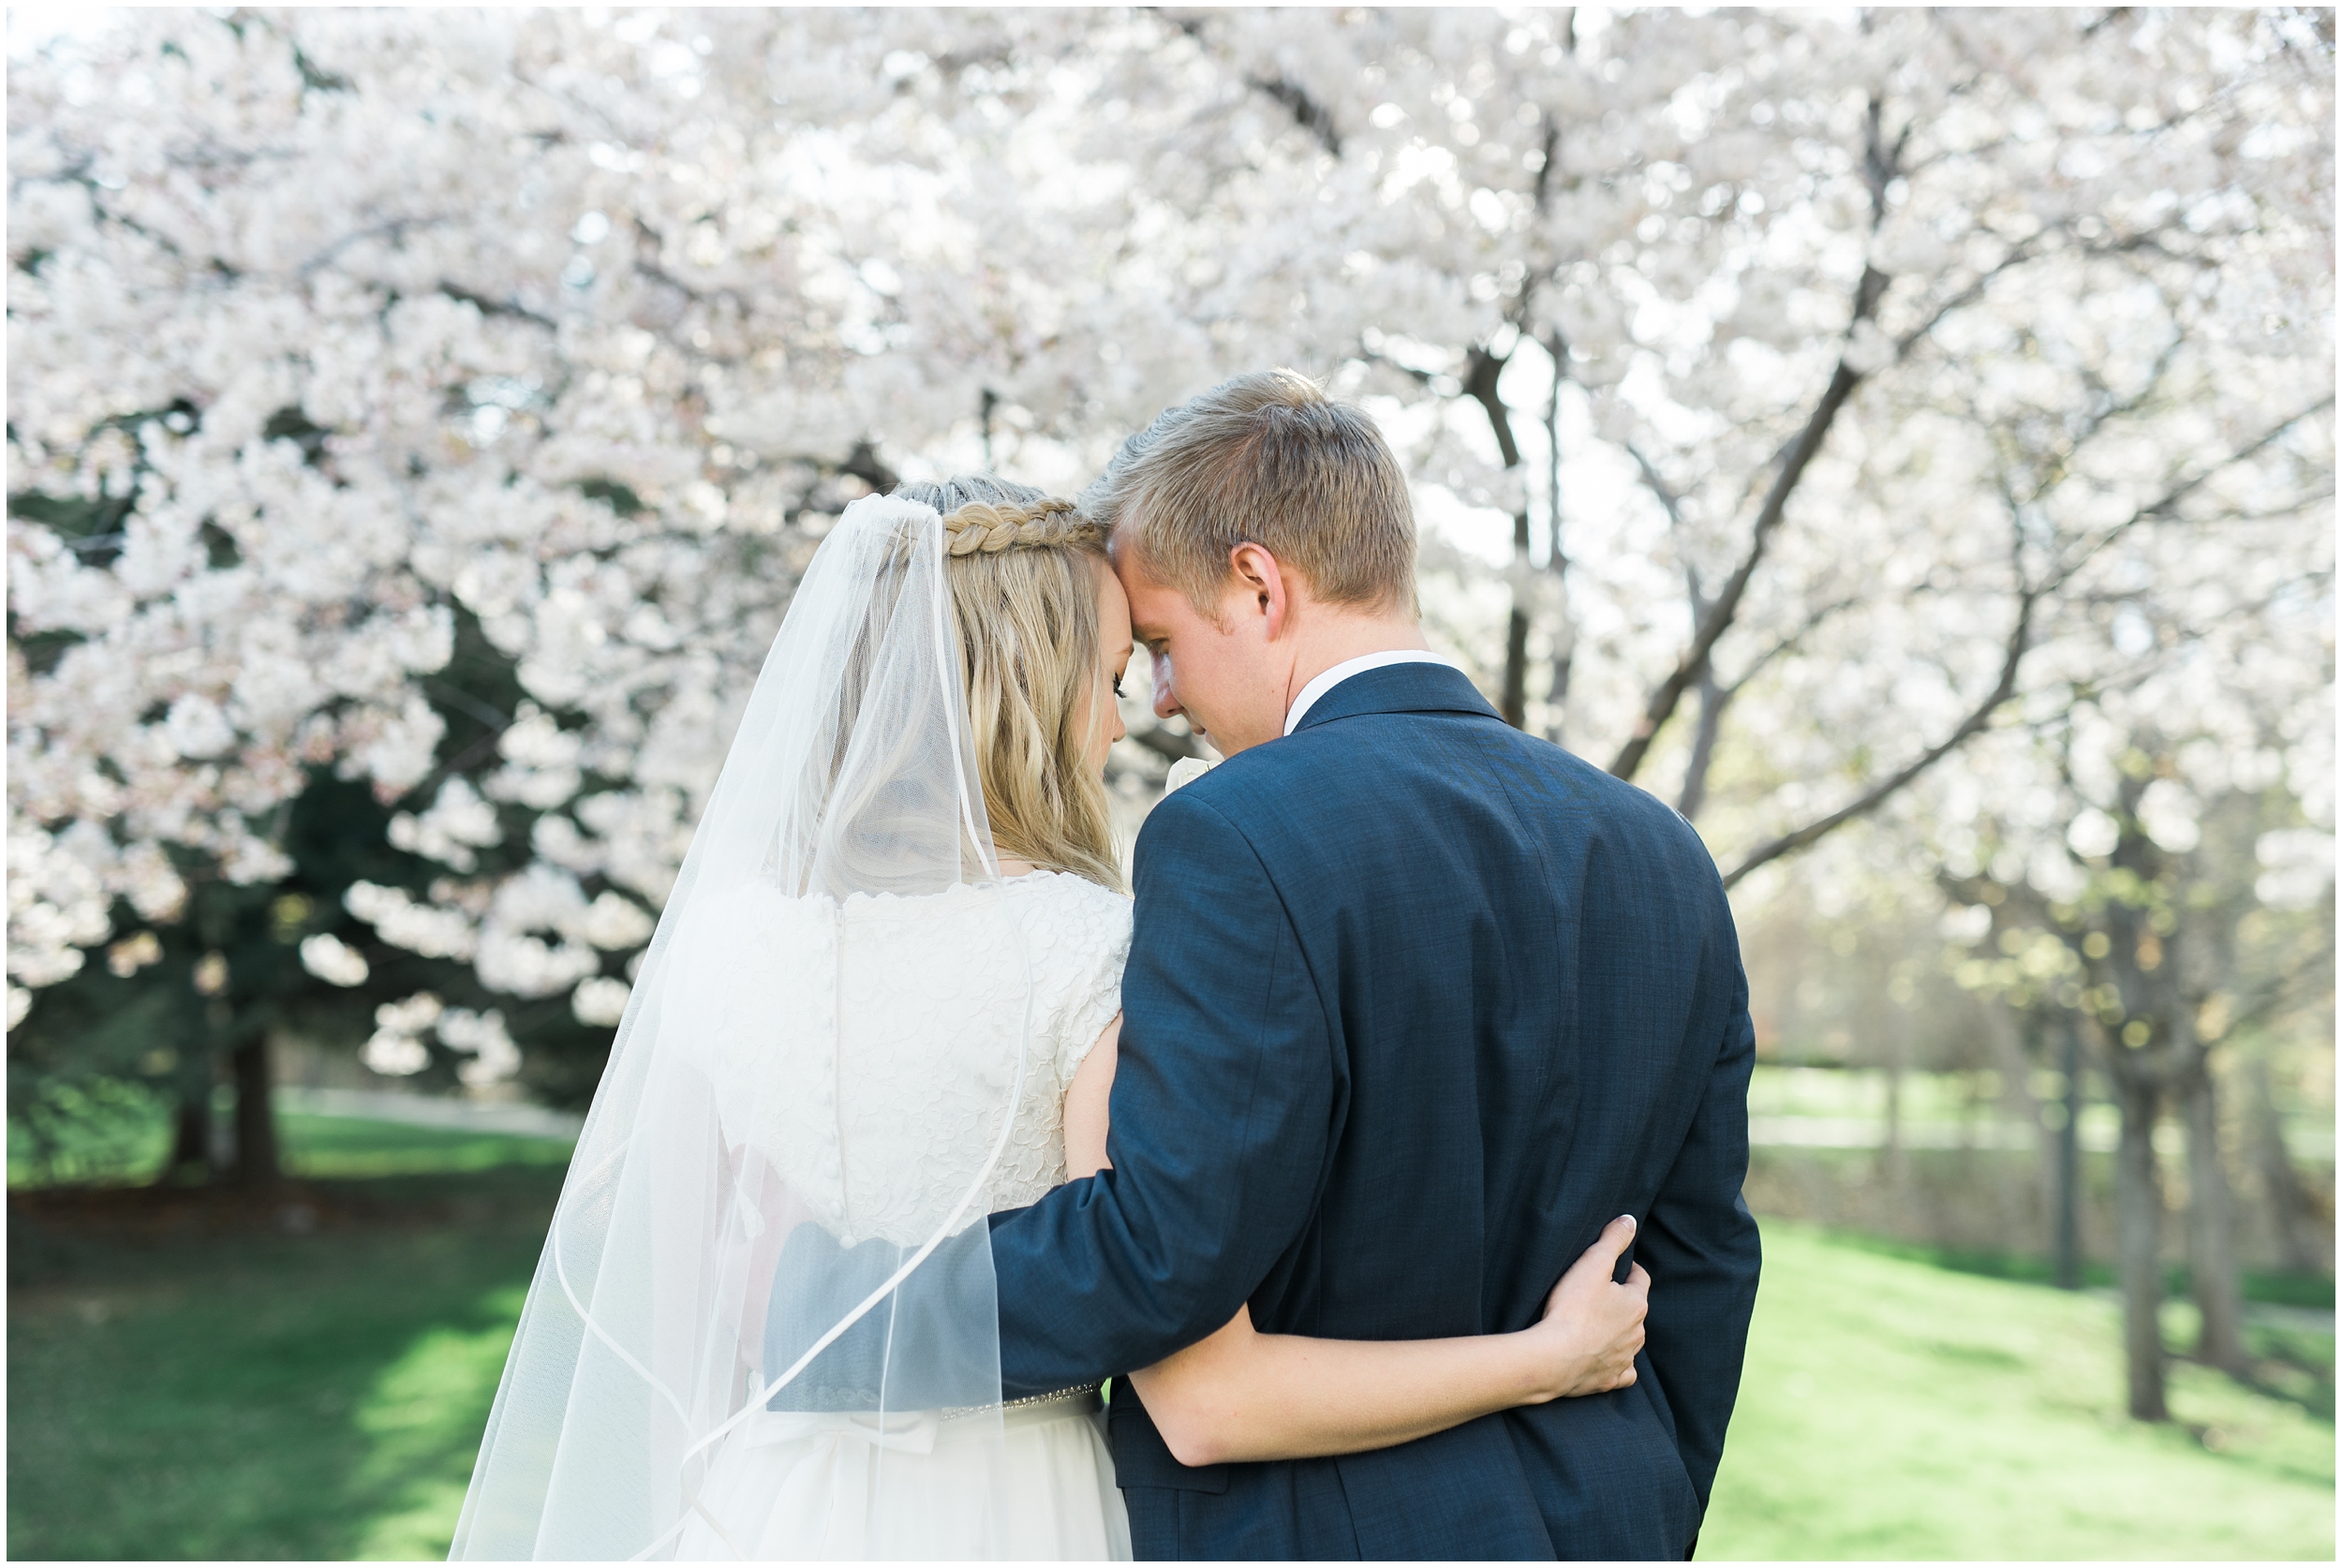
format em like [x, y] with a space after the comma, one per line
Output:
[1586, 1341]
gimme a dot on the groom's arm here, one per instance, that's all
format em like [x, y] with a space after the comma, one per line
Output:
[1220, 1112]
[1700, 1244]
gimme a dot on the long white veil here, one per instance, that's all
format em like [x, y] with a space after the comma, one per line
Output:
[707, 1262]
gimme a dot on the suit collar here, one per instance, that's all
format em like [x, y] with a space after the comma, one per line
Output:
[1399, 688]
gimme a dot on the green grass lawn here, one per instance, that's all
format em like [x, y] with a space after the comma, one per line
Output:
[1894, 1409]
[191, 1382]
[129, 1146]
[345, 1148]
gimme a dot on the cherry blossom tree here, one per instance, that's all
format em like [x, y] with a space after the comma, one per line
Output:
[2186, 905]
[2152, 839]
[1786, 271]
[446, 405]
[1950, 350]
[442, 406]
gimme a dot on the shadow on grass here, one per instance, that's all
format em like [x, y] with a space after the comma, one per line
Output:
[1892, 1408]
[2298, 1376]
[2310, 1292]
[422, 1419]
[2290, 1363]
[305, 1374]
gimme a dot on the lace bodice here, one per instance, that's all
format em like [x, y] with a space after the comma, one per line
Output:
[874, 1091]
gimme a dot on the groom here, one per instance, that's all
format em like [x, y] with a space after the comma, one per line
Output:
[1414, 1004]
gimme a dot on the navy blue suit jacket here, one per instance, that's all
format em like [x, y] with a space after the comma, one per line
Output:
[1416, 1004]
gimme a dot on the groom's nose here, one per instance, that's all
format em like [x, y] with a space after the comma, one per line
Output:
[1166, 700]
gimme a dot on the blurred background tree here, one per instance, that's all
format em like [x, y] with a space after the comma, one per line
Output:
[1902, 440]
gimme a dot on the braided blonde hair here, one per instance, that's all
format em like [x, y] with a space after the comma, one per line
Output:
[1021, 565]
[981, 527]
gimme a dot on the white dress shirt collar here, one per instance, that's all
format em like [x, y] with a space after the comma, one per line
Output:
[1331, 678]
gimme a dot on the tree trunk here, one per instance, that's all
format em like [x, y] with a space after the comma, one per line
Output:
[1556, 557]
[2016, 1041]
[1711, 701]
[1556, 704]
[1515, 707]
[1481, 375]
[2139, 1226]
[190, 1137]
[1893, 1168]
[2211, 1233]
[2069, 1162]
[256, 1121]
[2299, 1220]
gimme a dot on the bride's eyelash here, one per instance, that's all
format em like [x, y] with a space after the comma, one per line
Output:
[1118, 685]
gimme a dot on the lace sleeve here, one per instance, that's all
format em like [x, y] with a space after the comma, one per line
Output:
[1103, 944]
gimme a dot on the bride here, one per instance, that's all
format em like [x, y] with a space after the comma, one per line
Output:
[881, 1004]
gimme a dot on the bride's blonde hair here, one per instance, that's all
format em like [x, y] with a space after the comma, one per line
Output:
[1021, 566]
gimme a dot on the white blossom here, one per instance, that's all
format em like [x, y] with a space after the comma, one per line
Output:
[394, 1055]
[198, 729]
[600, 1001]
[483, 1038]
[615, 923]
[435, 931]
[458, 823]
[413, 1015]
[399, 328]
[2297, 867]
[333, 960]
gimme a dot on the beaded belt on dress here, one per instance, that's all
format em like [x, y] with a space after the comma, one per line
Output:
[1087, 1392]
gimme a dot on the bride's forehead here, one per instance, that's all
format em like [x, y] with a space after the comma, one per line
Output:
[1112, 598]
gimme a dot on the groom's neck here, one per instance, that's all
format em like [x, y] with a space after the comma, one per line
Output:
[1331, 634]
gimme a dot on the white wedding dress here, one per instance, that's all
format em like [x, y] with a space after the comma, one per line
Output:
[922, 1014]
[766, 1321]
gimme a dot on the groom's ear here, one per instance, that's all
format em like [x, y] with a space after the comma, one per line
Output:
[1265, 582]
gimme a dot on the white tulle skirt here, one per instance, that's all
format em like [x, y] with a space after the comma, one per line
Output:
[791, 1486]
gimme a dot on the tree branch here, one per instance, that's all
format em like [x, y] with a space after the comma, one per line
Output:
[1726, 605]
[864, 464]
[2163, 505]
[2018, 254]
[1881, 164]
[487, 306]
[1163, 744]
[1309, 114]
[1482, 369]
[2020, 641]
[1422, 377]
[393, 229]
[1672, 504]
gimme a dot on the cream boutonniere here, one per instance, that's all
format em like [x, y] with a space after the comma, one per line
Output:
[1187, 770]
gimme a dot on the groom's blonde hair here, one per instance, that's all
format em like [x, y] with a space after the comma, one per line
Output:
[1266, 459]
[1022, 566]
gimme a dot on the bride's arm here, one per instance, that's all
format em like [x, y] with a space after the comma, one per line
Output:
[1086, 1105]
[1242, 1395]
